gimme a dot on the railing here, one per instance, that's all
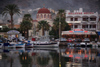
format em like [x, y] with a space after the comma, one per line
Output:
[89, 28]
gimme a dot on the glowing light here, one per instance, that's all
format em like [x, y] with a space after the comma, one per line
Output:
[70, 31]
[67, 52]
[85, 31]
[70, 55]
[85, 56]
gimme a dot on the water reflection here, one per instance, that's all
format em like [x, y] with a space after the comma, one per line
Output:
[82, 57]
[68, 57]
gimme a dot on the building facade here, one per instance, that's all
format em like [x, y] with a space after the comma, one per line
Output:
[82, 20]
[42, 14]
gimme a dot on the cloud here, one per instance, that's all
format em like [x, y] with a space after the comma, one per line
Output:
[31, 6]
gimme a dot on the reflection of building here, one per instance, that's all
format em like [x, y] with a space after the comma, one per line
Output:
[84, 20]
[81, 57]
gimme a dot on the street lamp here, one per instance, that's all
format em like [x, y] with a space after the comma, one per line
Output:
[60, 27]
[59, 31]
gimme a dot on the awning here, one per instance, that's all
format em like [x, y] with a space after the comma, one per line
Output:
[13, 32]
[78, 32]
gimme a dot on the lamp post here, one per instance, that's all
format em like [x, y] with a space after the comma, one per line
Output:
[59, 31]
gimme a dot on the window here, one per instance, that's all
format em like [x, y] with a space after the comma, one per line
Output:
[76, 26]
[86, 26]
[85, 19]
[94, 26]
[71, 19]
[76, 19]
[92, 19]
[83, 26]
[44, 15]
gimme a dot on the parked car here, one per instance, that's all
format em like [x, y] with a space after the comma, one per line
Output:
[78, 40]
[86, 40]
[63, 39]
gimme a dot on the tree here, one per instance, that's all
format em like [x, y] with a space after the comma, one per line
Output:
[11, 9]
[43, 25]
[27, 17]
[64, 25]
[25, 26]
[43, 61]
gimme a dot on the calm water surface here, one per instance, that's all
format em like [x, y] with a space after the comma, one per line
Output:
[55, 57]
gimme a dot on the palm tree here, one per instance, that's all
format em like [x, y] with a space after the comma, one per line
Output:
[43, 61]
[61, 13]
[43, 25]
[25, 26]
[11, 10]
[27, 17]
[63, 26]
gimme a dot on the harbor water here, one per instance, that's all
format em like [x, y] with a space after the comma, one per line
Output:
[50, 57]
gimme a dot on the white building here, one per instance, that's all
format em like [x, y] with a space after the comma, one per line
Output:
[82, 20]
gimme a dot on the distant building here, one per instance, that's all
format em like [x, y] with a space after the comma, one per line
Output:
[83, 20]
[42, 14]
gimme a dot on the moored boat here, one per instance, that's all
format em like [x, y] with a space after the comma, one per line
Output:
[29, 45]
[20, 44]
[12, 44]
[45, 44]
[1, 45]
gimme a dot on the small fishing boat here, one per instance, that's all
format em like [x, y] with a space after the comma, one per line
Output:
[1, 45]
[20, 44]
[82, 44]
[12, 44]
[29, 44]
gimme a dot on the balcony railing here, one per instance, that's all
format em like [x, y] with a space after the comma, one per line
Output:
[85, 28]
[89, 28]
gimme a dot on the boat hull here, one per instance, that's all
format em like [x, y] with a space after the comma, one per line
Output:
[20, 46]
[46, 46]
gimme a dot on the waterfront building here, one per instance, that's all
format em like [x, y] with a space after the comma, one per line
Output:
[79, 21]
[83, 20]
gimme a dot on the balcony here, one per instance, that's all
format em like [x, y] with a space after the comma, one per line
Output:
[73, 21]
[89, 29]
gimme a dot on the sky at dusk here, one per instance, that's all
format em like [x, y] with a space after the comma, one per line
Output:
[87, 5]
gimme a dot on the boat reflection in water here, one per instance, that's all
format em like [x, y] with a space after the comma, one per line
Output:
[56, 57]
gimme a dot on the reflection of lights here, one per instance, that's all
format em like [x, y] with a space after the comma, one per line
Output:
[85, 51]
[62, 53]
[92, 58]
[70, 55]
[89, 58]
[0, 56]
[77, 57]
[23, 58]
[71, 51]
[89, 52]
[85, 56]
[67, 52]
